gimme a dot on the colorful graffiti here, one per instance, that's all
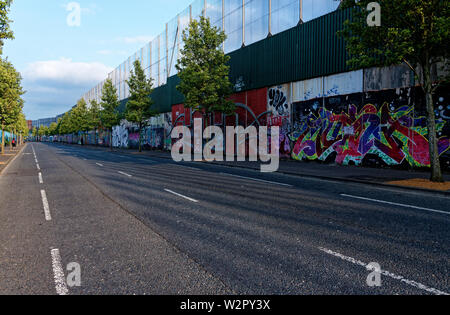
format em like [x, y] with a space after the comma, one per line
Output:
[280, 116]
[120, 136]
[395, 136]
[157, 135]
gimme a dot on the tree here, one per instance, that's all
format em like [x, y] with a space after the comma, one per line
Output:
[80, 118]
[203, 69]
[65, 125]
[5, 30]
[21, 128]
[94, 118]
[138, 109]
[414, 32]
[109, 115]
[34, 133]
[52, 130]
[41, 132]
[11, 91]
[11, 122]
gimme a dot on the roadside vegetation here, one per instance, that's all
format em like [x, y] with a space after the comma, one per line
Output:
[12, 118]
[412, 32]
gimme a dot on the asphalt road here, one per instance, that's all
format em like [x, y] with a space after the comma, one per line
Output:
[140, 225]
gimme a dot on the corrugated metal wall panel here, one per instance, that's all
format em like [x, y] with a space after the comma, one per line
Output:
[307, 51]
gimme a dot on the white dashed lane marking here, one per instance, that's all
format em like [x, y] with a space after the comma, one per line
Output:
[257, 180]
[48, 217]
[396, 204]
[384, 272]
[125, 174]
[180, 195]
[58, 273]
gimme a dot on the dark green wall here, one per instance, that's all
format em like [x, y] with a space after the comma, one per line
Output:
[306, 51]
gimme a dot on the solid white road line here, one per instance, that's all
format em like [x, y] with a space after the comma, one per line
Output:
[48, 217]
[180, 195]
[395, 204]
[41, 181]
[101, 165]
[38, 167]
[257, 180]
[58, 273]
[385, 273]
[123, 173]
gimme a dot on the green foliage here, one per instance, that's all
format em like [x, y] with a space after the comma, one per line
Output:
[80, 117]
[43, 131]
[5, 30]
[20, 126]
[52, 130]
[11, 92]
[65, 127]
[415, 31]
[138, 109]
[94, 115]
[203, 69]
[109, 114]
[139, 106]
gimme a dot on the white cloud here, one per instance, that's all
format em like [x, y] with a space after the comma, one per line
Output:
[54, 86]
[66, 71]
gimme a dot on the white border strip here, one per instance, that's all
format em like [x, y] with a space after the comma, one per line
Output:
[58, 273]
[396, 204]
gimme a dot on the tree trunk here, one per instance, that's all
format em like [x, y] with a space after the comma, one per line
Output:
[436, 173]
[3, 139]
[140, 137]
[110, 139]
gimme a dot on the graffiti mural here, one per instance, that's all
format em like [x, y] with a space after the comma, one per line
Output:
[157, 134]
[392, 133]
[120, 135]
[279, 108]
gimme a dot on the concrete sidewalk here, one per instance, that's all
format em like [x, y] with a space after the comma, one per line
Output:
[9, 155]
[414, 179]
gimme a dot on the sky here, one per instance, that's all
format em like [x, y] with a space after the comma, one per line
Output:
[61, 59]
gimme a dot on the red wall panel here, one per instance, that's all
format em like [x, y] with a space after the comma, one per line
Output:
[256, 100]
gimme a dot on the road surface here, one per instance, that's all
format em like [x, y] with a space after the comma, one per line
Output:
[141, 225]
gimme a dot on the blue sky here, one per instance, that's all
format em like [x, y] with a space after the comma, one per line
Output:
[59, 62]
